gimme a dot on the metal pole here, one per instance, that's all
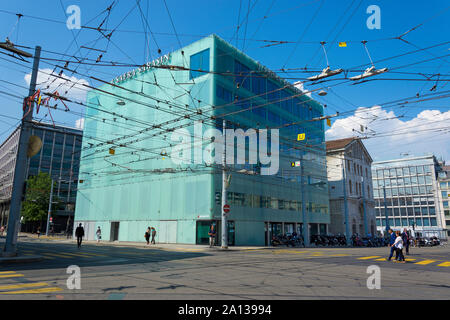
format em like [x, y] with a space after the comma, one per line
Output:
[10, 248]
[347, 230]
[224, 193]
[385, 210]
[49, 209]
[364, 207]
[304, 215]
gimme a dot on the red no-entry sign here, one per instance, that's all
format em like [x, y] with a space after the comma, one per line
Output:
[226, 208]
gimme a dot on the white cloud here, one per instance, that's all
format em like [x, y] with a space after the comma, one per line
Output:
[74, 88]
[79, 124]
[301, 86]
[390, 135]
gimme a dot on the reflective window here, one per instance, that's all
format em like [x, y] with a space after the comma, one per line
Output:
[199, 61]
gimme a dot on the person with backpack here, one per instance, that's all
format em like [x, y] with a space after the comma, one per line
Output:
[99, 234]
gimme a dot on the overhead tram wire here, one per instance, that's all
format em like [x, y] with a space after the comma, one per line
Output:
[303, 34]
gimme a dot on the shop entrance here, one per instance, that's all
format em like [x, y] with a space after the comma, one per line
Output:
[114, 235]
[203, 226]
[272, 229]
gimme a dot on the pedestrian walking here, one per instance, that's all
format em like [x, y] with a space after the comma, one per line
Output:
[38, 231]
[398, 244]
[212, 235]
[99, 234]
[405, 238]
[392, 238]
[79, 233]
[147, 235]
[2, 229]
[153, 235]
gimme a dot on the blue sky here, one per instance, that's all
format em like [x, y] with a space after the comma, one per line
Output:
[285, 20]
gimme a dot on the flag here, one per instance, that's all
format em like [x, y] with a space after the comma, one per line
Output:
[342, 44]
[329, 122]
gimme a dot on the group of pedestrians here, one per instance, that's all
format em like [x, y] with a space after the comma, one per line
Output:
[150, 231]
[79, 234]
[398, 241]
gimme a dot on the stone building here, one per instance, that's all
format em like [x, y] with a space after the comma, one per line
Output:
[350, 180]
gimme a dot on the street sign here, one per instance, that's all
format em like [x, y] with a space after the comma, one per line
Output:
[300, 137]
[226, 208]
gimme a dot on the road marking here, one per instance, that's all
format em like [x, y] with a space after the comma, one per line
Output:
[7, 272]
[25, 285]
[92, 254]
[47, 257]
[425, 262]
[11, 275]
[42, 290]
[58, 255]
[380, 259]
[368, 258]
[339, 255]
[444, 264]
[77, 255]
[410, 259]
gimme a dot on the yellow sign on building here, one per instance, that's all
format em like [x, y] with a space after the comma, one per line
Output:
[300, 137]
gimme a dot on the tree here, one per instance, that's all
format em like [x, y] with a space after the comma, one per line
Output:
[37, 197]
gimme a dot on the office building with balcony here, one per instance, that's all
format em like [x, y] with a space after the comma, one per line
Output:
[406, 196]
[59, 156]
[133, 180]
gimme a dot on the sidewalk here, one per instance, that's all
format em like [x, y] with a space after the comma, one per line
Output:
[163, 246]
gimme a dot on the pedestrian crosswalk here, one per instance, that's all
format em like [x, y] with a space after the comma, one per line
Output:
[416, 261]
[23, 287]
[307, 254]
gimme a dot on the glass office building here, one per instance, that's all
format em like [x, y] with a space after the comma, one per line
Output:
[412, 199]
[59, 156]
[138, 184]
[444, 194]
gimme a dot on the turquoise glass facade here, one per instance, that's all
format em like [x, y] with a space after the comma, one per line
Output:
[141, 185]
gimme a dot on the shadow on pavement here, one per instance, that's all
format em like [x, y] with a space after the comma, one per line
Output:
[61, 255]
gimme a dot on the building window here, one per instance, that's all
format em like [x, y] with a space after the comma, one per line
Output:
[224, 94]
[199, 61]
[242, 75]
[350, 185]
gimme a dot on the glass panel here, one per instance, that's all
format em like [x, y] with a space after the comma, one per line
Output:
[199, 61]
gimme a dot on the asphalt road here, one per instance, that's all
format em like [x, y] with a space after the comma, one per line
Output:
[194, 272]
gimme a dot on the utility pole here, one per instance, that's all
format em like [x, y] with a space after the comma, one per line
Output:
[10, 248]
[347, 230]
[304, 215]
[385, 210]
[224, 192]
[49, 209]
[364, 207]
